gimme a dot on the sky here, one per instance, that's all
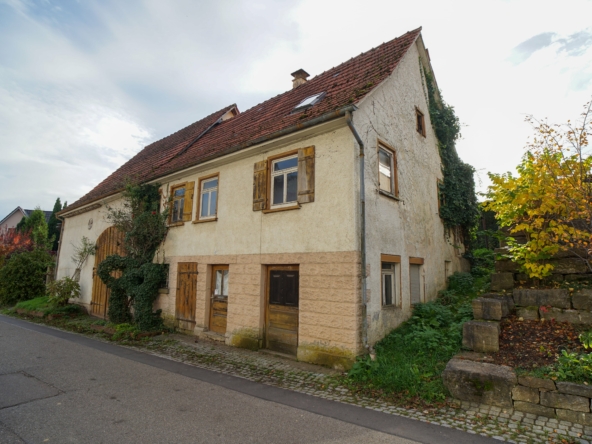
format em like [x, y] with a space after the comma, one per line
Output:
[84, 85]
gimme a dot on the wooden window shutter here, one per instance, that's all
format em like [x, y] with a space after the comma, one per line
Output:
[306, 174]
[260, 186]
[188, 205]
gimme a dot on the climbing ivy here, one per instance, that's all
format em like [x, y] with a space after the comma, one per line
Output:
[458, 202]
[134, 279]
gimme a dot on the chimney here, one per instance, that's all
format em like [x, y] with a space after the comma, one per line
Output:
[300, 77]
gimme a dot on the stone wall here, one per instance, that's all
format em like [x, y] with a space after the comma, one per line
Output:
[468, 379]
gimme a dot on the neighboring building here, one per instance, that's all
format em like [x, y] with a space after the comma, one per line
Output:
[265, 242]
[15, 216]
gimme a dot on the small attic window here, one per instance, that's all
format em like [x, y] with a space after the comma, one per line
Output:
[309, 101]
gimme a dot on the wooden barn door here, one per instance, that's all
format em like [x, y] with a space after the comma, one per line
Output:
[219, 299]
[281, 332]
[109, 242]
[186, 294]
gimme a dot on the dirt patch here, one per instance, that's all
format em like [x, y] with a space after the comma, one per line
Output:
[531, 344]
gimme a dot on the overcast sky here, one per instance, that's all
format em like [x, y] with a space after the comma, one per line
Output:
[86, 84]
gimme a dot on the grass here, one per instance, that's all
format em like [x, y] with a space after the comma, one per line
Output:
[37, 304]
[410, 360]
[42, 304]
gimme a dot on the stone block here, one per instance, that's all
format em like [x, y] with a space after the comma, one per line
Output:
[488, 309]
[507, 301]
[506, 265]
[571, 316]
[535, 409]
[569, 265]
[502, 281]
[577, 277]
[481, 336]
[582, 299]
[576, 417]
[566, 402]
[528, 313]
[528, 394]
[556, 297]
[540, 383]
[571, 388]
[480, 382]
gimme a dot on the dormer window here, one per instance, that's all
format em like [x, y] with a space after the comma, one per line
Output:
[309, 101]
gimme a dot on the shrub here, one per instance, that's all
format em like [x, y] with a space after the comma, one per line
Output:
[573, 367]
[23, 276]
[461, 282]
[61, 290]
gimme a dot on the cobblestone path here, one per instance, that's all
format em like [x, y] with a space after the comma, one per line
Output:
[502, 424]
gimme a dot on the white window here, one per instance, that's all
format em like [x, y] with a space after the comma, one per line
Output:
[390, 284]
[387, 173]
[309, 101]
[284, 181]
[208, 198]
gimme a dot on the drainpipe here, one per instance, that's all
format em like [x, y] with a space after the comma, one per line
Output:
[350, 123]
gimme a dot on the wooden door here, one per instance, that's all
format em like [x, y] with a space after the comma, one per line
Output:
[186, 295]
[219, 299]
[281, 329]
[110, 242]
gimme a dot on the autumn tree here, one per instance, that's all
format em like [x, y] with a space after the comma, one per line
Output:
[550, 200]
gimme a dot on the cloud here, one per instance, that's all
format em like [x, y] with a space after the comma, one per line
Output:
[573, 45]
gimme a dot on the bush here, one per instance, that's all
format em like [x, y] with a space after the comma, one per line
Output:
[23, 276]
[573, 367]
[461, 282]
[61, 290]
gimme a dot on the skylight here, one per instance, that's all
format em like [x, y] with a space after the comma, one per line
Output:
[309, 101]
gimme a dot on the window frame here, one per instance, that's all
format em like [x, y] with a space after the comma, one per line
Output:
[420, 122]
[174, 188]
[200, 182]
[395, 262]
[271, 160]
[394, 170]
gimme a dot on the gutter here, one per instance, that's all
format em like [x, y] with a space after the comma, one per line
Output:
[283, 132]
[350, 123]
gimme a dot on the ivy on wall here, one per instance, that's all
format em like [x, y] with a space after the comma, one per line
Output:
[134, 279]
[458, 201]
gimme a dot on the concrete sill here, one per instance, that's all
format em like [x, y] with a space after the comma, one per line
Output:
[276, 210]
[201, 221]
[389, 195]
[176, 224]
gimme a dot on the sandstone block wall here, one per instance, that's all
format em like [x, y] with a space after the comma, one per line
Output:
[329, 306]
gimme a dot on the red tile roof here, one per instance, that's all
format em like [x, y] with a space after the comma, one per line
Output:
[344, 85]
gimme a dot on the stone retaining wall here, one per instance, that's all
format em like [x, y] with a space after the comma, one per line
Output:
[468, 379]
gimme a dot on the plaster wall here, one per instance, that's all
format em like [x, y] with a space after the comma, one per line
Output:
[12, 221]
[410, 226]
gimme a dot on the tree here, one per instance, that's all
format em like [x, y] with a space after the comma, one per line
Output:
[53, 225]
[550, 200]
[36, 225]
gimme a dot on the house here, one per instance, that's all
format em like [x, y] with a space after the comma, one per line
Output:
[15, 216]
[276, 210]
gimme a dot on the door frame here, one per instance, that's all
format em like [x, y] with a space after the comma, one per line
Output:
[212, 288]
[270, 268]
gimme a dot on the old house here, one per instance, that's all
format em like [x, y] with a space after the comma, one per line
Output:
[15, 216]
[276, 210]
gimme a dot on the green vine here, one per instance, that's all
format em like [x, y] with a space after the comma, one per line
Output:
[458, 203]
[134, 279]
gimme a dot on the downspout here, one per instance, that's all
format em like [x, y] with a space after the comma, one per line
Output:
[350, 123]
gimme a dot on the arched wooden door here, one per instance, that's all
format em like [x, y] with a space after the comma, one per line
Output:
[109, 242]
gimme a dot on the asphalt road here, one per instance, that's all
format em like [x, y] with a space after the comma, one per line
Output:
[58, 387]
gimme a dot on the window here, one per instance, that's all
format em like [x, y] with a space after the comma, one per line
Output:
[387, 171]
[181, 203]
[389, 284]
[208, 198]
[284, 181]
[309, 101]
[416, 289]
[420, 122]
[390, 276]
[178, 204]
